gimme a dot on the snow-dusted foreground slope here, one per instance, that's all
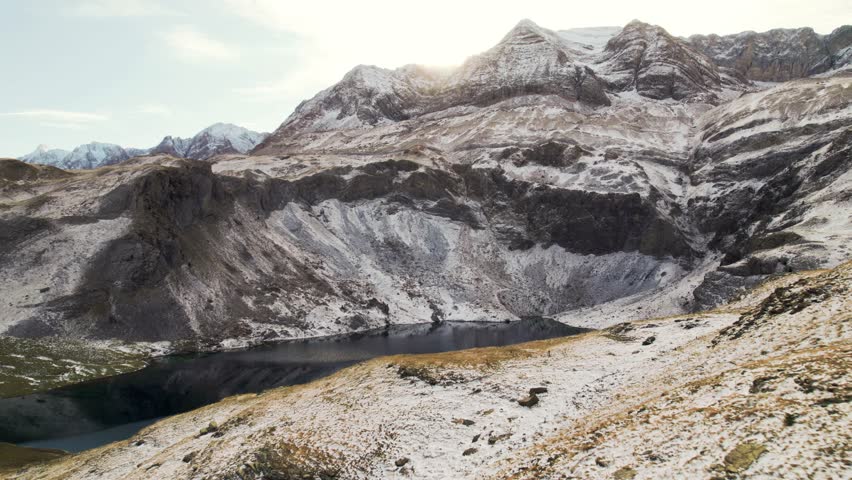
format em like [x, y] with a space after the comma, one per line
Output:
[759, 388]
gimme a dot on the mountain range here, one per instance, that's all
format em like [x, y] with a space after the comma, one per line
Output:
[592, 175]
[217, 139]
[687, 199]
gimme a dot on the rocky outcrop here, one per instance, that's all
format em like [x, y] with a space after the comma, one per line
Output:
[657, 65]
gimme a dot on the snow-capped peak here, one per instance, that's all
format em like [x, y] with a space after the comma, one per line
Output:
[219, 138]
[43, 154]
[221, 129]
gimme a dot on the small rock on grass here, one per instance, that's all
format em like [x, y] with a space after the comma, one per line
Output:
[528, 401]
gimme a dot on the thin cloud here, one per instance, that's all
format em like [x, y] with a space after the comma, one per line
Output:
[64, 126]
[123, 8]
[61, 116]
[194, 45]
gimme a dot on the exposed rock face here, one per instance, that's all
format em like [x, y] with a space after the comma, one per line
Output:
[778, 55]
[196, 250]
[622, 178]
[770, 171]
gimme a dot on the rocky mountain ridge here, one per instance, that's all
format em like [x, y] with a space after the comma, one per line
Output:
[593, 182]
[777, 55]
[531, 60]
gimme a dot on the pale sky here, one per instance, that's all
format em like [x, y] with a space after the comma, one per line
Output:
[133, 71]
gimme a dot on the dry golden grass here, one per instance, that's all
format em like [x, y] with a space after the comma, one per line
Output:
[486, 357]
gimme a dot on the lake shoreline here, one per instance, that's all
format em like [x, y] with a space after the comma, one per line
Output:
[173, 384]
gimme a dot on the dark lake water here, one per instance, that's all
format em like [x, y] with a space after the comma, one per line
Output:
[90, 414]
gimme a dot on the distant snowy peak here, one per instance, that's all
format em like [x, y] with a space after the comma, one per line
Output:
[170, 145]
[95, 154]
[90, 155]
[225, 134]
[46, 156]
[217, 139]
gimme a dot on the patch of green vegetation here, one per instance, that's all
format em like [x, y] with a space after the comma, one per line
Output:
[742, 456]
[13, 456]
[210, 428]
[33, 365]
